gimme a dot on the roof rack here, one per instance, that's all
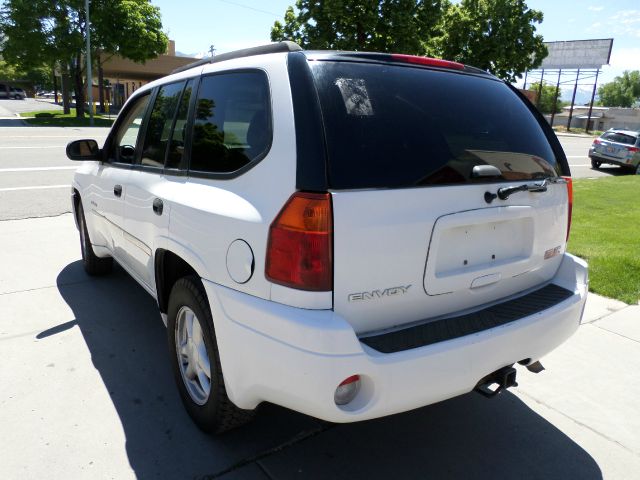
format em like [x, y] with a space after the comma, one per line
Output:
[279, 47]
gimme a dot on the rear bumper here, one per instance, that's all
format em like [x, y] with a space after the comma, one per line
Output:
[296, 358]
[627, 163]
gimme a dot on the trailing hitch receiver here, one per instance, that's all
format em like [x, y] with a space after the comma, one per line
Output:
[496, 382]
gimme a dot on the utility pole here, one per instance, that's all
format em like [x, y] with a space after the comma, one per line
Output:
[89, 79]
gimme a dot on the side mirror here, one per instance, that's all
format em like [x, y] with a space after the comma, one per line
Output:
[83, 150]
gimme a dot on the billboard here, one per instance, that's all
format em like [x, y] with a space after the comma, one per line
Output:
[577, 54]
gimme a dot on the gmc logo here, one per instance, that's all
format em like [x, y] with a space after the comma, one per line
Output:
[387, 292]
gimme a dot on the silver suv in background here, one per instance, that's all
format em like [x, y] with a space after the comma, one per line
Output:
[617, 147]
[17, 93]
[7, 91]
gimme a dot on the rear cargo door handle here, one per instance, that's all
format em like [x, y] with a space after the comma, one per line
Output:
[117, 190]
[158, 206]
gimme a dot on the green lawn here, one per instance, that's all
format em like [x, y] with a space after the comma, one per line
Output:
[563, 129]
[55, 118]
[606, 232]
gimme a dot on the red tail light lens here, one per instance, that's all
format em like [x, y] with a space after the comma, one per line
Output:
[432, 62]
[570, 200]
[633, 149]
[597, 141]
[300, 246]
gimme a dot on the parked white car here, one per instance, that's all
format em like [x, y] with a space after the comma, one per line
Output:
[348, 235]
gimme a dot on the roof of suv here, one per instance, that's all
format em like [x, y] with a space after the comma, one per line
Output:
[631, 133]
[287, 46]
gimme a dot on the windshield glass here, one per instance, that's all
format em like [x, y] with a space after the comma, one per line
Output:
[396, 126]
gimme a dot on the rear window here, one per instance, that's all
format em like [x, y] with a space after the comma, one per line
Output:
[620, 138]
[395, 126]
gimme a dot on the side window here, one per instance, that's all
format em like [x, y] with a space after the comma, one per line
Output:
[232, 125]
[160, 123]
[176, 145]
[126, 137]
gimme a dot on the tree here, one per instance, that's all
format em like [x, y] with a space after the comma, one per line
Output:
[624, 91]
[38, 76]
[547, 95]
[374, 25]
[53, 32]
[494, 35]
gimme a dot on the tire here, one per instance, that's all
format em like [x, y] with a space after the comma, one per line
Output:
[93, 264]
[595, 164]
[200, 381]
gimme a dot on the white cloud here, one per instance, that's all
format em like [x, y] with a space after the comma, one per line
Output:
[595, 9]
[626, 22]
[625, 58]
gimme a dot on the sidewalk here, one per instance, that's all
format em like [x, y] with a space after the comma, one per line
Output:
[86, 391]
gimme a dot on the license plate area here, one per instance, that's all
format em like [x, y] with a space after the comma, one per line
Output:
[468, 249]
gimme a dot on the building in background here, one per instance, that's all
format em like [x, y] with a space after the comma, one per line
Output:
[122, 77]
[601, 118]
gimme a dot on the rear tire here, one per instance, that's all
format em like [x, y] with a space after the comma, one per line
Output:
[93, 264]
[195, 360]
[595, 164]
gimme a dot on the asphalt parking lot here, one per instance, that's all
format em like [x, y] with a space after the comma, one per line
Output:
[86, 389]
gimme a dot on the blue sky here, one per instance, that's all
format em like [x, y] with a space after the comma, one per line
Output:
[233, 24]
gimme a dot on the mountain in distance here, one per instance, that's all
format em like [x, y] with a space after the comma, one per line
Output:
[192, 55]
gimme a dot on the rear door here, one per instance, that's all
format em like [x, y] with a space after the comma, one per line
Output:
[416, 159]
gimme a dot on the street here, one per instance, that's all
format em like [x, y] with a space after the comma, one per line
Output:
[86, 387]
[35, 173]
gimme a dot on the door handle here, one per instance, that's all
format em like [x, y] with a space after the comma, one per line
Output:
[158, 206]
[117, 190]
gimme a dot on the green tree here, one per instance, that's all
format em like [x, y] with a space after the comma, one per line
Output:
[494, 35]
[52, 32]
[376, 25]
[38, 76]
[624, 91]
[547, 95]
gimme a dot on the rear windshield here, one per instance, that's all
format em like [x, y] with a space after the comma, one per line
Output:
[620, 138]
[396, 126]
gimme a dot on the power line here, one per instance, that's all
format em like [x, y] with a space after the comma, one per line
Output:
[252, 8]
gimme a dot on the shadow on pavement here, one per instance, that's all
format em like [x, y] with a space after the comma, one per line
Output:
[467, 437]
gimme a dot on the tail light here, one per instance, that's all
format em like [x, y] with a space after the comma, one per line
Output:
[597, 141]
[300, 245]
[633, 149]
[570, 200]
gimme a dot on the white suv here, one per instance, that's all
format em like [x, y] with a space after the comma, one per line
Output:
[349, 235]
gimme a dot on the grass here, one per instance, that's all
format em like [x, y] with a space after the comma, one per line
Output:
[55, 118]
[606, 232]
[563, 129]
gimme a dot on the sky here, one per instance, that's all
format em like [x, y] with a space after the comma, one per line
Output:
[195, 25]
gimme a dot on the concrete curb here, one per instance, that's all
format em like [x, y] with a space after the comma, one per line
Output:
[578, 135]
